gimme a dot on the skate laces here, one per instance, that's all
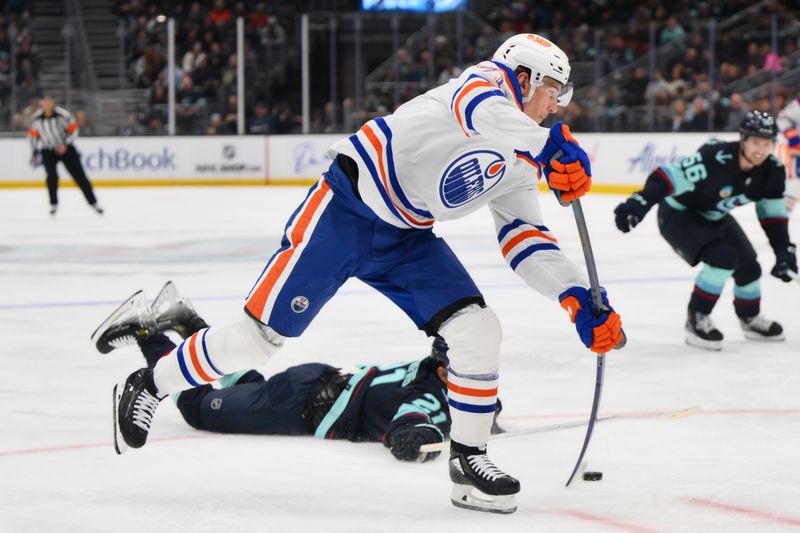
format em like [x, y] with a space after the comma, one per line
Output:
[123, 340]
[144, 408]
[484, 467]
[757, 323]
[703, 322]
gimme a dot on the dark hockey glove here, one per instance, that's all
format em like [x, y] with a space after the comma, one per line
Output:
[404, 441]
[628, 214]
[785, 261]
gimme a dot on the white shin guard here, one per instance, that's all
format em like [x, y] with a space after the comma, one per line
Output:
[211, 353]
[473, 337]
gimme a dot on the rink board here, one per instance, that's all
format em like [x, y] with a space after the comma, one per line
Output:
[620, 162]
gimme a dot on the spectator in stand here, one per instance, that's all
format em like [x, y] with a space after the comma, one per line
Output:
[220, 15]
[261, 122]
[190, 103]
[155, 125]
[736, 112]
[132, 128]
[215, 126]
[230, 117]
[190, 58]
[85, 127]
[697, 117]
[284, 120]
[678, 115]
[672, 31]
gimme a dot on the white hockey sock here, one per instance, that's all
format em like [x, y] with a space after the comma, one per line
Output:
[473, 338]
[472, 400]
[213, 352]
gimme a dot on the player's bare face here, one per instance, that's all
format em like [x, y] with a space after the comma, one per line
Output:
[544, 101]
[757, 149]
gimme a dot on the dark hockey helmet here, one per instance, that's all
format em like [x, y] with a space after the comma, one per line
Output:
[758, 124]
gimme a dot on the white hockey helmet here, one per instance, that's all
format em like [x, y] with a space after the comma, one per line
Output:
[542, 57]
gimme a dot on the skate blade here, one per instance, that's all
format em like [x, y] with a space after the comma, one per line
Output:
[697, 342]
[468, 497]
[166, 296]
[113, 317]
[753, 336]
[119, 443]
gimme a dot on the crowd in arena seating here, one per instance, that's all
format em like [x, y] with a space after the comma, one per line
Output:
[606, 41]
[17, 47]
[686, 85]
[206, 68]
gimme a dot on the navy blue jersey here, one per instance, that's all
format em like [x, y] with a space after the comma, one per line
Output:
[379, 398]
[711, 183]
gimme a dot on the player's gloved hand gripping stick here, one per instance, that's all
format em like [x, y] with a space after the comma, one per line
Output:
[565, 165]
[574, 300]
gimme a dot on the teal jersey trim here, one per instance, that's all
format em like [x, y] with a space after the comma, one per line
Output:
[751, 291]
[772, 208]
[229, 380]
[712, 279]
[675, 204]
[407, 409]
[340, 404]
[677, 177]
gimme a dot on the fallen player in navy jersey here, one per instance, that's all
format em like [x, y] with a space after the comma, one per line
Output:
[402, 405]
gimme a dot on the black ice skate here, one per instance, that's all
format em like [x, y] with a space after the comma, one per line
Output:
[479, 485]
[135, 402]
[701, 332]
[759, 328]
[131, 322]
[174, 311]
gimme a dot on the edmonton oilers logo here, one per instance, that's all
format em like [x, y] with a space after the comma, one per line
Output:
[299, 304]
[471, 175]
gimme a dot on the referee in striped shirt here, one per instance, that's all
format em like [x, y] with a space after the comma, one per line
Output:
[52, 132]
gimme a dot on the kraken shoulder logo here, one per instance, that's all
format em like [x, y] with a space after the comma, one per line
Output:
[299, 304]
[726, 191]
[471, 175]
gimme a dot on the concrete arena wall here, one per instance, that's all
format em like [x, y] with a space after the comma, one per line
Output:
[620, 162]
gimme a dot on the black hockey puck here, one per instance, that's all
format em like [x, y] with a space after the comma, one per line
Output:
[592, 476]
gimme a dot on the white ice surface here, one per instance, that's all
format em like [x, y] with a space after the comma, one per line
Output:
[732, 467]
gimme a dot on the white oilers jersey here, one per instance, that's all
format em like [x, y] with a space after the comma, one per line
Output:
[789, 116]
[452, 150]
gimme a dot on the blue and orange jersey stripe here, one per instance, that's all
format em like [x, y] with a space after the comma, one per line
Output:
[257, 301]
[384, 176]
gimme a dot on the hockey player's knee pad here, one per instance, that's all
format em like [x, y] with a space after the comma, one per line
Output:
[719, 254]
[747, 273]
[245, 342]
[473, 336]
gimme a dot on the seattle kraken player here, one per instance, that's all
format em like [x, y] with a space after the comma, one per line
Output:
[695, 198]
[403, 405]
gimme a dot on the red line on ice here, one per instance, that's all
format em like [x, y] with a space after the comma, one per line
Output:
[744, 510]
[108, 445]
[597, 519]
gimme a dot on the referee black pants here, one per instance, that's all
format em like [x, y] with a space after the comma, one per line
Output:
[71, 160]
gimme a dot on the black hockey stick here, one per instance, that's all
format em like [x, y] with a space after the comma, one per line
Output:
[597, 301]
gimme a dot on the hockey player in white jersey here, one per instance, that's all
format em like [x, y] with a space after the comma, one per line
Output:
[789, 125]
[472, 142]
